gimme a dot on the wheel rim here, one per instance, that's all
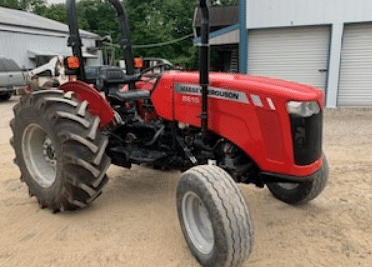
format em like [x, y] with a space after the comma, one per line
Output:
[288, 186]
[39, 154]
[197, 223]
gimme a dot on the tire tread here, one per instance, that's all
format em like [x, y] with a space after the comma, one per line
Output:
[231, 204]
[80, 130]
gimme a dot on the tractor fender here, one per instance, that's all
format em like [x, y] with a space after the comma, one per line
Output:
[97, 104]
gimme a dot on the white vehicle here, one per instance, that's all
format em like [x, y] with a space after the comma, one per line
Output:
[48, 75]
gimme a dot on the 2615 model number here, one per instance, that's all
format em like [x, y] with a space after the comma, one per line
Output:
[191, 99]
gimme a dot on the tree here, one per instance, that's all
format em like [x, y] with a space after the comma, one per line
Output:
[55, 12]
[98, 17]
[26, 5]
[155, 21]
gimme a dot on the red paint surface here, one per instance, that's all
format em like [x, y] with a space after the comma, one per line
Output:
[98, 105]
[264, 134]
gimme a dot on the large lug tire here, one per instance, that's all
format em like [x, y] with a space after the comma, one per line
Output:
[301, 193]
[214, 217]
[59, 149]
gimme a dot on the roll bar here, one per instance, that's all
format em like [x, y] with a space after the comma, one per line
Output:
[75, 42]
[74, 39]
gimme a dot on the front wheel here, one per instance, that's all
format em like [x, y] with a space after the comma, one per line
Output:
[301, 193]
[214, 217]
[59, 149]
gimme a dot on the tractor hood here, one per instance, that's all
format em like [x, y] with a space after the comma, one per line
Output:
[253, 86]
[249, 111]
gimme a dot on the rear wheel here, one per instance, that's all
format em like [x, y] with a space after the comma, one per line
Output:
[59, 149]
[214, 217]
[301, 193]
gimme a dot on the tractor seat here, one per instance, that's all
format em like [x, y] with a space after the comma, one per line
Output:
[132, 95]
[107, 77]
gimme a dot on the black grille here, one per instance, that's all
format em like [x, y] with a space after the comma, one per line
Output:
[307, 138]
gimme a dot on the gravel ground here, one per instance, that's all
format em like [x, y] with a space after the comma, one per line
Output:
[134, 222]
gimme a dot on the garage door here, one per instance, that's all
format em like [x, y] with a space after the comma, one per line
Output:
[298, 54]
[355, 86]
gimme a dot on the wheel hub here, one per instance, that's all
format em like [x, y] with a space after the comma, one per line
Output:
[288, 186]
[39, 154]
[197, 222]
[49, 151]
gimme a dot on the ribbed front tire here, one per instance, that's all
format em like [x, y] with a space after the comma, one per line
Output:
[59, 149]
[214, 217]
[301, 193]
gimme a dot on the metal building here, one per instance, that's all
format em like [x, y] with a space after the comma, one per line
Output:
[31, 40]
[325, 43]
[224, 28]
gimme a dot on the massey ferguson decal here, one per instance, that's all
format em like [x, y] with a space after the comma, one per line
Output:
[213, 92]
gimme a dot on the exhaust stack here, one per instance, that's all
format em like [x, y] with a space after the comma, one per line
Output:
[204, 64]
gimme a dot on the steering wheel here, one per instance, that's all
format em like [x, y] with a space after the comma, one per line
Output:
[171, 67]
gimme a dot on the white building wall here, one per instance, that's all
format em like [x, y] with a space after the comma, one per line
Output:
[290, 13]
[282, 13]
[15, 45]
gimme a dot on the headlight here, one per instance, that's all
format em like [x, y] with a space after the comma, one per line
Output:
[303, 109]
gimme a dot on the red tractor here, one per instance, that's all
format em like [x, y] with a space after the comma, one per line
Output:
[219, 129]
